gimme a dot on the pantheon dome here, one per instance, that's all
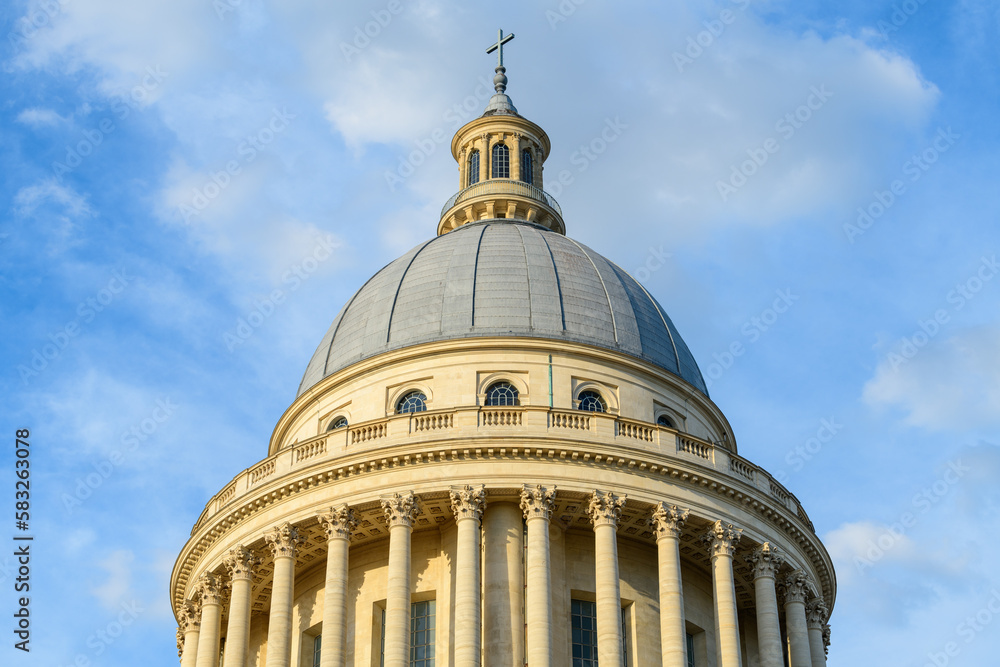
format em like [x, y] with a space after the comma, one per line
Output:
[502, 453]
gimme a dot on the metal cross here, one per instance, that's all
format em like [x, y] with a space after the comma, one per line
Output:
[498, 47]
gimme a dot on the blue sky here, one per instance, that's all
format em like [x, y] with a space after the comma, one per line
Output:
[173, 168]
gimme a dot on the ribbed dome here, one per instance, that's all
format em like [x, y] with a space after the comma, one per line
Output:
[502, 278]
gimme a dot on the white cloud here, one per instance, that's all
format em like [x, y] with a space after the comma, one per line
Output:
[30, 198]
[118, 565]
[946, 385]
[38, 117]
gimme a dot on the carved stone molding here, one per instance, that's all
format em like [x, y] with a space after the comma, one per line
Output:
[240, 563]
[338, 522]
[537, 501]
[283, 540]
[668, 520]
[605, 508]
[400, 509]
[189, 616]
[796, 587]
[180, 643]
[826, 638]
[210, 589]
[722, 539]
[468, 502]
[766, 559]
[817, 613]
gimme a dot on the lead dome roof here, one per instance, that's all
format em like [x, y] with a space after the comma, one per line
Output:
[502, 278]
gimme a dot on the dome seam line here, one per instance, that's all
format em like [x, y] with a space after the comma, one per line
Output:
[399, 286]
[555, 270]
[611, 309]
[475, 273]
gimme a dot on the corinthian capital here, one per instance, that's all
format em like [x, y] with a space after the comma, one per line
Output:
[668, 520]
[766, 559]
[189, 616]
[796, 586]
[284, 541]
[605, 508]
[240, 562]
[826, 638]
[400, 509]
[722, 539]
[210, 588]
[537, 501]
[817, 613]
[338, 522]
[467, 502]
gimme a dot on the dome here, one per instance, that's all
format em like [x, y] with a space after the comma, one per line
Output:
[502, 278]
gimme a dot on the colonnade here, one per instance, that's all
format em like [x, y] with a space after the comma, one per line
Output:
[515, 632]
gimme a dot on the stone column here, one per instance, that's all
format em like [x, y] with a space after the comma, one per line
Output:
[283, 541]
[537, 503]
[766, 560]
[190, 627]
[816, 615]
[210, 588]
[240, 563]
[503, 574]
[400, 512]
[605, 509]
[484, 158]
[467, 503]
[722, 540]
[338, 524]
[515, 156]
[796, 589]
[668, 522]
[463, 166]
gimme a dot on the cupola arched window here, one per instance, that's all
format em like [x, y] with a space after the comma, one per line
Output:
[664, 420]
[526, 174]
[501, 161]
[338, 422]
[415, 401]
[591, 401]
[473, 169]
[501, 393]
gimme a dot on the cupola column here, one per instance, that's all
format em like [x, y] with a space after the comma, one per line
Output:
[484, 157]
[722, 540]
[400, 512]
[503, 572]
[766, 560]
[240, 563]
[605, 511]
[668, 522]
[537, 503]
[190, 628]
[467, 503]
[283, 541]
[514, 144]
[210, 589]
[338, 524]
[796, 588]
[816, 615]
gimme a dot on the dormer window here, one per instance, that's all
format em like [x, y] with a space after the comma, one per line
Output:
[473, 171]
[501, 161]
[526, 175]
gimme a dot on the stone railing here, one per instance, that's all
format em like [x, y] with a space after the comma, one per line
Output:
[501, 186]
[477, 429]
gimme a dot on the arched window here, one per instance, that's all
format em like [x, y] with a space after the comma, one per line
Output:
[415, 401]
[338, 422]
[526, 175]
[473, 170]
[501, 393]
[501, 161]
[591, 401]
[664, 420]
